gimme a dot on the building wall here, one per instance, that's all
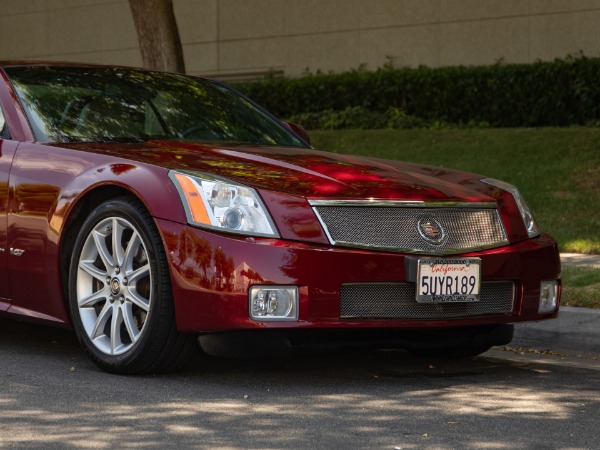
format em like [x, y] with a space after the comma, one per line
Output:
[245, 38]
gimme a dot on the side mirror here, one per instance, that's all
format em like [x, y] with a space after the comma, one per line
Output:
[299, 130]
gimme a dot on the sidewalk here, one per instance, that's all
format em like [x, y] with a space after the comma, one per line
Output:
[577, 330]
[578, 259]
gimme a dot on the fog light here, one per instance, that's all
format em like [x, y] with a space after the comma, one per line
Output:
[548, 296]
[273, 303]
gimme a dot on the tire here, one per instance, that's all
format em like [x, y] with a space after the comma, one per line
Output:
[120, 296]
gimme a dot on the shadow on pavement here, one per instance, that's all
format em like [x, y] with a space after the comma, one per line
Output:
[355, 400]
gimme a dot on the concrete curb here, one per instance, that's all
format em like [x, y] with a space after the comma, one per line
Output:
[576, 330]
[579, 259]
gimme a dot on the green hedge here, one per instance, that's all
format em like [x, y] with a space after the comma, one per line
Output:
[558, 93]
[355, 117]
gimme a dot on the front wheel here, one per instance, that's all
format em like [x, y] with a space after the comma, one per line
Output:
[120, 293]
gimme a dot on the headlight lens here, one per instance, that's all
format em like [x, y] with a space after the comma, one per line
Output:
[526, 214]
[223, 205]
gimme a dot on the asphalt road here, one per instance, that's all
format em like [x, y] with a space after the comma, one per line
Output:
[51, 396]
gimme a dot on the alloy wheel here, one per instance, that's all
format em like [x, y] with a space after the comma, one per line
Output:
[114, 286]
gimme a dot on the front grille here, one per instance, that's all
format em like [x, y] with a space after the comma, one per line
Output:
[396, 228]
[397, 301]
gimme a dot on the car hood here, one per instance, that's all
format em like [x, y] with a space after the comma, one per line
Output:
[303, 172]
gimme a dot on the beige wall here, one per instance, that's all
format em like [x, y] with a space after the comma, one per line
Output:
[240, 38]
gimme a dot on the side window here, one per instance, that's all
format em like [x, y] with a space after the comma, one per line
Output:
[4, 133]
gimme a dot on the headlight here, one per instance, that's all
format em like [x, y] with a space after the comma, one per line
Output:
[526, 214]
[223, 205]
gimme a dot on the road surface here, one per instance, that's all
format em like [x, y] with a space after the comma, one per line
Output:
[51, 396]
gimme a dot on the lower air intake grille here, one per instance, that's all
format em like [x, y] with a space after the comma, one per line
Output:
[397, 301]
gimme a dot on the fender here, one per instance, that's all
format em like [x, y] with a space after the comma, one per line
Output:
[46, 185]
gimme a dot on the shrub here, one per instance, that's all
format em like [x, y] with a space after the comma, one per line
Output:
[357, 117]
[558, 93]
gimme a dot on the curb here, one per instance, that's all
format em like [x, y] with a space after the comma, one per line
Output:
[576, 330]
[579, 259]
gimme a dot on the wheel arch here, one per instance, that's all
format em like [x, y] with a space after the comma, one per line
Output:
[78, 211]
[162, 347]
[77, 215]
[102, 180]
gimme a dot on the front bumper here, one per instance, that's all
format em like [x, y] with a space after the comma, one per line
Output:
[211, 274]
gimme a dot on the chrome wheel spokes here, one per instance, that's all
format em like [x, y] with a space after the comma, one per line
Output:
[114, 285]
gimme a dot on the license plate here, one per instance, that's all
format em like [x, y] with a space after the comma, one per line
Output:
[448, 280]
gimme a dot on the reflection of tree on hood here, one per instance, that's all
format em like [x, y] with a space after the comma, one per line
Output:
[183, 246]
[202, 254]
[224, 266]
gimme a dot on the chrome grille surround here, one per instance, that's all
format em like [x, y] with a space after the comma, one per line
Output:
[397, 301]
[393, 225]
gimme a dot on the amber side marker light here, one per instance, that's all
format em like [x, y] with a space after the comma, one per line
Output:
[194, 199]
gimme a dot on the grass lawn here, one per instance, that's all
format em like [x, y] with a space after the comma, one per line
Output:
[581, 286]
[556, 169]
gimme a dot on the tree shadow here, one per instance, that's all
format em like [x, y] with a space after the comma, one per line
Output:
[52, 395]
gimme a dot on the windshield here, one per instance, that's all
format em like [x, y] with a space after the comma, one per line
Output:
[69, 104]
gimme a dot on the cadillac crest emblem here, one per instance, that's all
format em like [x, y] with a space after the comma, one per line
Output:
[431, 231]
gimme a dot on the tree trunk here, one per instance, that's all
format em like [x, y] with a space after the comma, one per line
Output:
[158, 35]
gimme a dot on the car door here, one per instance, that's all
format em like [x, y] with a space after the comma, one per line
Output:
[7, 151]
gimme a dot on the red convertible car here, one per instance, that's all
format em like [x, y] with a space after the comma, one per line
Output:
[149, 210]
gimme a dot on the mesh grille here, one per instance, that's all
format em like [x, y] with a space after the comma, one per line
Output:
[397, 301]
[396, 228]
